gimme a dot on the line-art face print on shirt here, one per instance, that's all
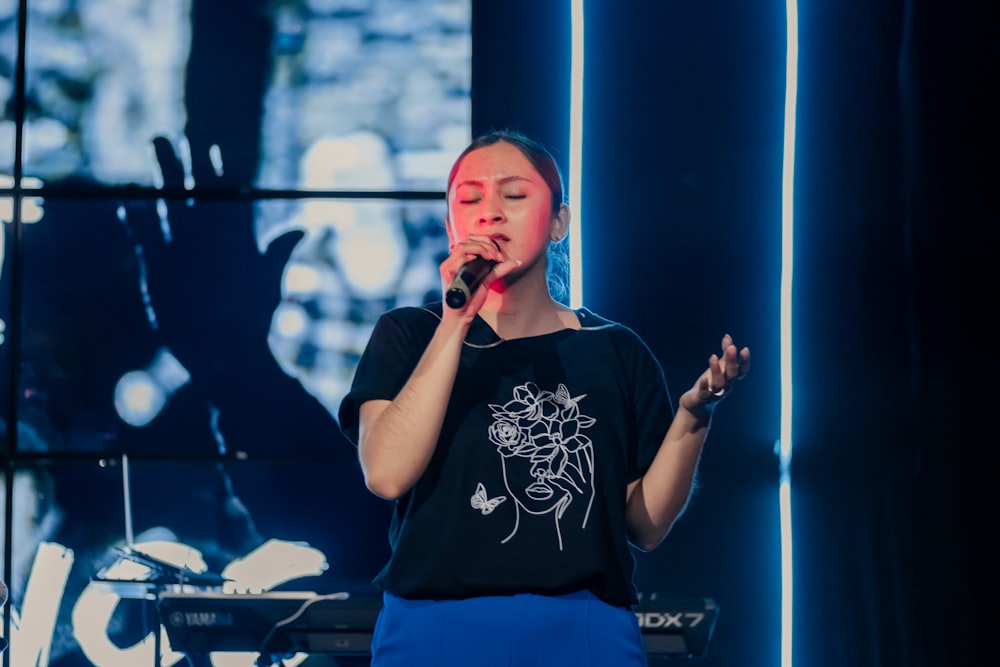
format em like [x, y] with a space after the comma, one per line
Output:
[548, 463]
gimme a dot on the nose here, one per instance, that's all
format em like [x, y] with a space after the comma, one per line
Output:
[491, 211]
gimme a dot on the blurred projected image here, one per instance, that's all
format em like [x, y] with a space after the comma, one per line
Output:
[211, 324]
[214, 99]
[105, 77]
[355, 259]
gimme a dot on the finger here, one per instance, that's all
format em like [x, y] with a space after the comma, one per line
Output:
[473, 247]
[279, 249]
[744, 361]
[716, 376]
[503, 268]
[731, 363]
[171, 169]
[478, 246]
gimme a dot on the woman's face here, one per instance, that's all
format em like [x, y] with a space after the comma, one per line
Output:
[497, 192]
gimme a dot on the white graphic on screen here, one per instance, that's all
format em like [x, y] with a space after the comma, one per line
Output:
[548, 462]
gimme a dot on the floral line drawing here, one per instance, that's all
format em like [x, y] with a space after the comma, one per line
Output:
[548, 461]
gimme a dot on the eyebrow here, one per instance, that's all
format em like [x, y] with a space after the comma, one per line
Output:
[503, 181]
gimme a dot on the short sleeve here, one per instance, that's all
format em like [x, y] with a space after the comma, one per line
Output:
[652, 408]
[393, 350]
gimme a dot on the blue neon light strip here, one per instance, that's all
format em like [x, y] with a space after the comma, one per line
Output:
[575, 155]
[784, 445]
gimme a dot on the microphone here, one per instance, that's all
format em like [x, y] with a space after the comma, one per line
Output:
[467, 280]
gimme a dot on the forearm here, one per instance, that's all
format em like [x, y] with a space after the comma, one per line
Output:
[398, 437]
[660, 496]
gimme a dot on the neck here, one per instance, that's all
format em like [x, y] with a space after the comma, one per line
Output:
[520, 310]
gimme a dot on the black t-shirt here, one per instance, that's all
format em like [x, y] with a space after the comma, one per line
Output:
[525, 492]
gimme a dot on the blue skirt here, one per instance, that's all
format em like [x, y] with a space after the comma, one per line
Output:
[575, 630]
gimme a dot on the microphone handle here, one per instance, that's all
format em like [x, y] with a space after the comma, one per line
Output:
[466, 281]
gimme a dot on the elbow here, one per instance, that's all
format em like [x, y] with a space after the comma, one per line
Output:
[648, 523]
[380, 479]
[383, 485]
[386, 493]
[387, 474]
[646, 543]
[384, 488]
[646, 532]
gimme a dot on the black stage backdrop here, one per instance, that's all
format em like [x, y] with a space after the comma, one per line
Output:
[681, 211]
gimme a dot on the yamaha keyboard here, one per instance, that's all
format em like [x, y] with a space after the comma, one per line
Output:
[676, 627]
[278, 623]
[270, 623]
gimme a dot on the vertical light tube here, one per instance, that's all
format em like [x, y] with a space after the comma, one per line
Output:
[127, 499]
[784, 445]
[575, 155]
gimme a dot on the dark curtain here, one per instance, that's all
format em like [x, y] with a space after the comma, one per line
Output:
[948, 67]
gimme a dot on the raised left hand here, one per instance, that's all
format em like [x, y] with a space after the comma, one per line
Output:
[723, 372]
